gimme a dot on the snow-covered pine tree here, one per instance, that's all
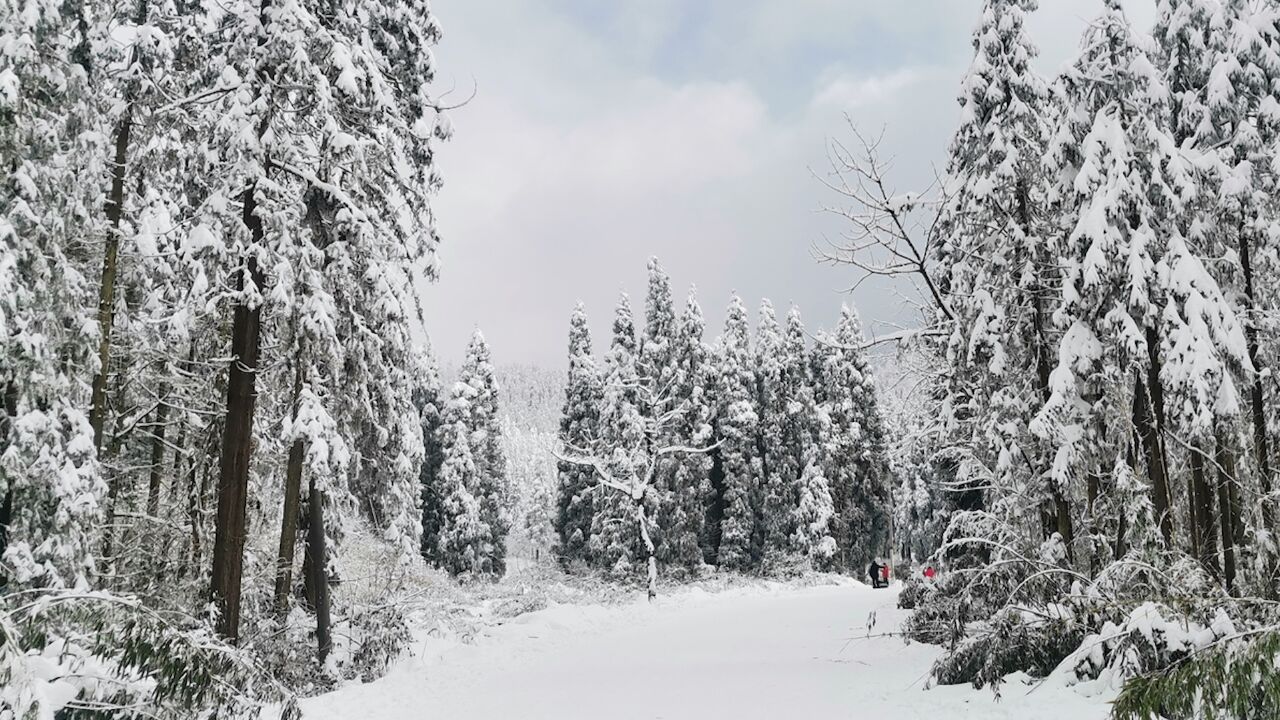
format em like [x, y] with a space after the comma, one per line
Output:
[799, 447]
[998, 261]
[1117, 178]
[428, 400]
[657, 370]
[778, 477]
[656, 362]
[1242, 98]
[736, 428]
[464, 536]
[622, 437]
[682, 520]
[576, 490]
[1184, 40]
[351, 175]
[52, 142]
[473, 403]
[852, 445]
[813, 514]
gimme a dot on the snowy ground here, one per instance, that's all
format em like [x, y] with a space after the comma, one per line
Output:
[768, 652]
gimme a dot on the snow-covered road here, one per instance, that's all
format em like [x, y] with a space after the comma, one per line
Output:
[745, 654]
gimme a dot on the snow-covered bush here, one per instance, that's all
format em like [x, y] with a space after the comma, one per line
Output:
[92, 654]
[1014, 639]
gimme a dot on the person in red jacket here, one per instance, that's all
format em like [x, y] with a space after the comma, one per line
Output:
[884, 575]
[929, 573]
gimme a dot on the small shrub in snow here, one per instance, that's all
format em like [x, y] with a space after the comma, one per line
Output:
[1013, 640]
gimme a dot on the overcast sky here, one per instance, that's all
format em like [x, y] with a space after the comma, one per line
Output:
[606, 131]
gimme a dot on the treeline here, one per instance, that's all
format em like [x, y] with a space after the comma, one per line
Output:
[1101, 273]
[211, 221]
[747, 453]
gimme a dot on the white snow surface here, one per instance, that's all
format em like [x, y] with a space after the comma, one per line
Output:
[766, 652]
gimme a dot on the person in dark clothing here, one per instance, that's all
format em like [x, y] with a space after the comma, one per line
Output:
[874, 573]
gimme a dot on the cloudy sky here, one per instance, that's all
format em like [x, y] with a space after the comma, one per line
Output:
[603, 132]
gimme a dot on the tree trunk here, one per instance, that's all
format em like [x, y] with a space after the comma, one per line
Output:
[9, 399]
[289, 527]
[1228, 509]
[292, 493]
[315, 568]
[237, 441]
[157, 453]
[1261, 438]
[1061, 508]
[1144, 422]
[1063, 512]
[643, 520]
[1202, 504]
[107, 291]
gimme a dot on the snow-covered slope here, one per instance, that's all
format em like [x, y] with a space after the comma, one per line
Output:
[768, 653]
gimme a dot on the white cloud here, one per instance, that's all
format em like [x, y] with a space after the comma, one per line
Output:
[851, 93]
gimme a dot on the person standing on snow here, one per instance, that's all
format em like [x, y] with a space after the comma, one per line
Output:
[874, 573]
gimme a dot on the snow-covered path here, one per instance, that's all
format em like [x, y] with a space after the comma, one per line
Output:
[763, 653]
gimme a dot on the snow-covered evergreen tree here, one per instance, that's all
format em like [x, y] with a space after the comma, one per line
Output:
[998, 260]
[851, 444]
[576, 493]
[473, 404]
[52, 143]
[430, 405]
[778, 476]
[465, 539]
[737, 422]
[657, 369]
[614, 545]
[813, 514]
[683, 516]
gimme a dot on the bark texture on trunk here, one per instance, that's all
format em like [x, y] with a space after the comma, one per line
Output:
[1228, 509]
[289, 527]
[1257, 398]
[1144, 422]
[237, 442]
[1205, 528]
[107, 290]
[315, 567]
[9, 398]
[642, 519]
[156, 475]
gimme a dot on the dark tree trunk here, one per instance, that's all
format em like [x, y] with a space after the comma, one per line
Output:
[1061, 509]
[156, 477]
[315, 566]
[1144, 422]
[292, 494]
[107, 292]
[1228, 508]
[715, 509]
[289, 526]
[10, 402]
[1202, 504]
[1257, 400]
[237, 441]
